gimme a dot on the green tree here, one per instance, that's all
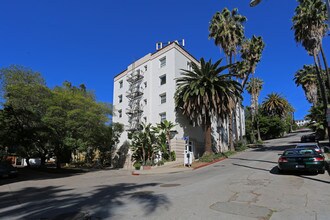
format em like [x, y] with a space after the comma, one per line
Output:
[144, 144]
[74, 118]
[165, 127]
[307, 79]
[254, 88]
[276, 105]
[23, 112]
[203, 94]
[227, 30]
[251, 52]
[309, 25]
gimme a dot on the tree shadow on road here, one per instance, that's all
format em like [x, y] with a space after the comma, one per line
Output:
[244, 159]
[64, 204]
[274, 148]
[302, 174]
[25, 174]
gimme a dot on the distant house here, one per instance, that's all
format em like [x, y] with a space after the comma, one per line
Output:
[303, 122]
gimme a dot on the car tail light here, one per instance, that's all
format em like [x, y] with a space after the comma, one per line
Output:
[318, 150]
[282, 159]
[318, 158]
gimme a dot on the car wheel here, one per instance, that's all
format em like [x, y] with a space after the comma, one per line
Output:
[321, 171]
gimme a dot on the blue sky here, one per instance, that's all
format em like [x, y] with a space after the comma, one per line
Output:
[85, 41]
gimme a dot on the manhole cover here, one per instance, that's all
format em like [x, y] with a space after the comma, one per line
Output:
[170, 185]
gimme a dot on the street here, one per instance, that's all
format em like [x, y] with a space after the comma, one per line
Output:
[244, 186]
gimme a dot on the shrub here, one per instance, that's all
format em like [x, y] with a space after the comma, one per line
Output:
[137, 165]
[240, 145]
[173, 155]
[160, 163]
[210, 157]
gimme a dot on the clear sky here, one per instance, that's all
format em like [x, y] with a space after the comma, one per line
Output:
[91, 41]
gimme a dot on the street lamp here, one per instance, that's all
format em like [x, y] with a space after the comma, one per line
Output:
[254, 2]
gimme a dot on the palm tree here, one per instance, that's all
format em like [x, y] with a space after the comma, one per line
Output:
[253, 88]
[276, 105]
[309, 25]
[143, 143]
[307, 79]
[227, 30]
[203, 95]
[309, 28]
[166, 127]
[251, 52]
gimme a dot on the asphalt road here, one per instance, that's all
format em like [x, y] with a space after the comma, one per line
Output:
[245, 186]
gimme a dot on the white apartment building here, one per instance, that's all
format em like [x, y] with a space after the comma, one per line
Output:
[144, 92]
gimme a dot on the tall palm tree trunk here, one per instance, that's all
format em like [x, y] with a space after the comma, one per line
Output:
[326, 66]
[207, 133]
[168, 139]
[323, 90]
[230, 125]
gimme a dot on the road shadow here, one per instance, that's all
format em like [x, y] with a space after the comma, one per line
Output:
[301, 174]
[25, 174]
[274, 148]
[61, 203]
[250, 167]
[244, 159]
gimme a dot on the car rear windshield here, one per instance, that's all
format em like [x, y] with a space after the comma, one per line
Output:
[299, 152]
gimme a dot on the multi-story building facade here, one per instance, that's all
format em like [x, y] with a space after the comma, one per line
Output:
[144, 92]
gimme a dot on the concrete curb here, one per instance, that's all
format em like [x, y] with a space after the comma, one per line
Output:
[207, 164]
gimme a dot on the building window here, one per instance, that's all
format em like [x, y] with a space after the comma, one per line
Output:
[162, 62]
[120, 113]
[120, 98]
[162, 79]
[188, 65]
[145, 84]
[145, 102]
[162, 98]
[145, 68]
[162, 116]
[121, 84]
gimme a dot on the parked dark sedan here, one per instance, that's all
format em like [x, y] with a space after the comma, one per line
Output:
[313, 146]
[309, 138]
[301, 159]
[7, 170]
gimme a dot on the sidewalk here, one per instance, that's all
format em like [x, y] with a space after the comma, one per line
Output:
[169, 167]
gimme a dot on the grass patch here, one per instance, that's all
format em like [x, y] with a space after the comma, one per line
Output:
[214, 157]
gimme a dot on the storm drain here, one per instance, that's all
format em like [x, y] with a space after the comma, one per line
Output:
[247, 210]
[170, 185]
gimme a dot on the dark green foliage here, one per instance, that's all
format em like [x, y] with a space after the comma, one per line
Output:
[271, 127]
[43, 122]
[137, 165]
[173, 155]
[240, 145]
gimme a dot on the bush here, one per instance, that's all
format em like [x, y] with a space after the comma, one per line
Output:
[240, 145]
[173, 155]
[137, 165]
[210, 157]
[160, 163]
